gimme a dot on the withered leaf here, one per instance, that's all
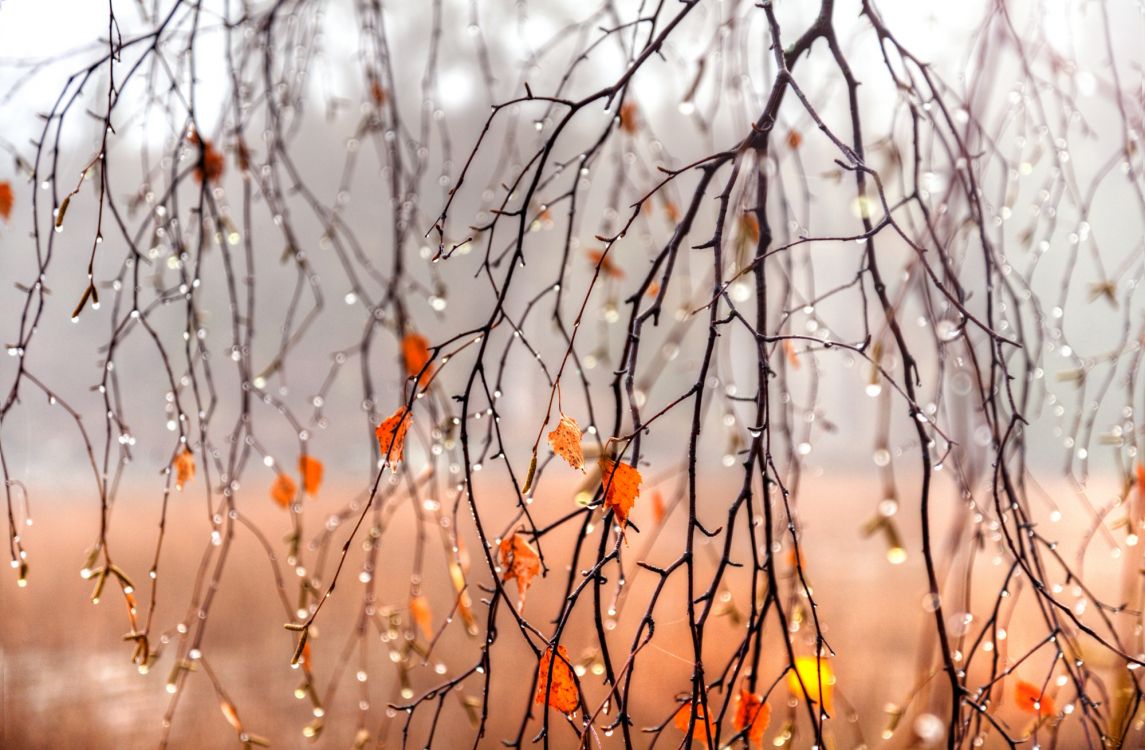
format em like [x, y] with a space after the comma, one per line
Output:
[565, 442]
[563, 694]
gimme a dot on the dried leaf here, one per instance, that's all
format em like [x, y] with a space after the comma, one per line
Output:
[283, 490]
[422, 615]
[753, 714]
[212, 165]
[699, 732]
[231, 715]
[6, 200]
[1032, 700]
[563, 695]
[392, 435]
[377, 93]
[519, 561]
[565, 442]
[607, 267]
[792, 355]
[415, 355]
[184, 468]
[622, 486]
[306, 663]
[659, 510]
[628, 117]
[749, 228]
[311, 470]
[810, 670]
[672, 211]
[794, 138]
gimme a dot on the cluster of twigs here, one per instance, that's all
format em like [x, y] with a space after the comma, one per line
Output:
[870, 228]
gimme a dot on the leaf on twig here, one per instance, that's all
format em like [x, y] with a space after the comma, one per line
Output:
[519, 561]
[415, 356]
[1032, 700]
[565, 442]
[6, 200]
[753, 714]
[184, 468]
[391, 435]
[816, 676]
[311, 470]
[422, 615]
[621, 484]
[283, 490]
[563, 694]
[699, 733]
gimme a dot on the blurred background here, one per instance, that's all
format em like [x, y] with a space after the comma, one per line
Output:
[1051, 98]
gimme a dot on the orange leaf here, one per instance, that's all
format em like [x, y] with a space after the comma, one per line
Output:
[607, 267]
[628, 117]
[415, 355]
[6, 200]
[792, 355]
[392, 435]
[306, 663]
[658, 508]
[565, 442]
[699, 733]
[377, 93]
[212, 166]
[520, 561]
[422, 615]
[184, 468]
[672, 211]
[563, 695]
[621, 487]
[1031, 700]
[816, 676]
[794, 138]
[749, 227]
[231, 714]
[311, 470]
[283, 490]
[752, 712]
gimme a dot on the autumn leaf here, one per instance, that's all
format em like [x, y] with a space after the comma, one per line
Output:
[212, 165]
[377, 93]
[392, 435]
[422, 615]
[184, 468]
[749, 228]
[283, 490]
[792, 355]
[519, 561]
[1031, 700]
[809, 670]
[672, 211]
[231, 715]
[659, 510]
[607, 267]
[621, 484]
[311, 470]
[415, 355]
[563, 695]
[699, 733]
[565, 442]
[794, 138]
[628, 117]
[6, 200]
[753, 714]
[306, 663]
